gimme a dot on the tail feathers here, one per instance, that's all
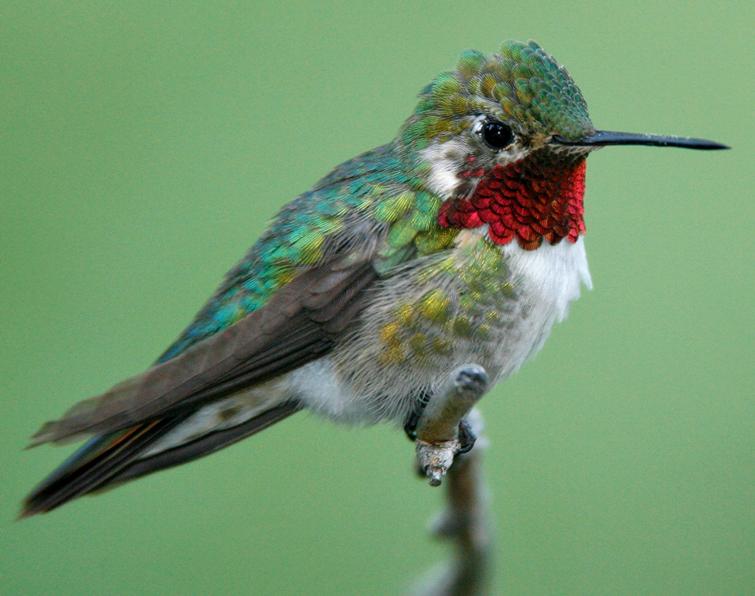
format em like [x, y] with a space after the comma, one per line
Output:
[204, 445]
[94, 465]
[111, 459]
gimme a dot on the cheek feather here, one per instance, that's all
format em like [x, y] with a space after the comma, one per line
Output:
[531, 200]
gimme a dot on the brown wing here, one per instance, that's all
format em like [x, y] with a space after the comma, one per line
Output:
[299, 324]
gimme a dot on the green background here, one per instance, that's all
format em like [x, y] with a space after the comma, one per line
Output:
[143, 147]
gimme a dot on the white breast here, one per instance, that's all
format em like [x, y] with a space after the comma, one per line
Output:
[553, 274]
[547, 280]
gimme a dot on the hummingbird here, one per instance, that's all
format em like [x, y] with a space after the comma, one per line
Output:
[460, 241]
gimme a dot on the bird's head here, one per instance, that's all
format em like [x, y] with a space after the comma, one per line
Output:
[512, 123]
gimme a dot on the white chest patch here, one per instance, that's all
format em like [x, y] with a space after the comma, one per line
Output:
[547, 280]
[552, 274]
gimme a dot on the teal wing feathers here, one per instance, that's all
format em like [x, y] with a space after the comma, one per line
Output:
[338, 208]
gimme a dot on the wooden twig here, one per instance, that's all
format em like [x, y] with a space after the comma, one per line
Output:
[465, 520]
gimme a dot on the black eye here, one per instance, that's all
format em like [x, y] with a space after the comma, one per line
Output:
[497, 134]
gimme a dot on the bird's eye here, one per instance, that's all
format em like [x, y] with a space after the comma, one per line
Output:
[497, 134]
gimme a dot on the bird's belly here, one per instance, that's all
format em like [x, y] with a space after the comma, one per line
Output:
[480, 303]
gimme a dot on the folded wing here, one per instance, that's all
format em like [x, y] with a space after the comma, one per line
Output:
[299, 324]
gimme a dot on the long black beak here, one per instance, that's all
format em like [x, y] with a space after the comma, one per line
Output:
[603, 138]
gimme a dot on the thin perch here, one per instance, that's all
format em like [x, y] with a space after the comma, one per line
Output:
[465, 520]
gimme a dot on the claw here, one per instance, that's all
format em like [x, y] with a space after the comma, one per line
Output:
[410, 427]
[467, 437]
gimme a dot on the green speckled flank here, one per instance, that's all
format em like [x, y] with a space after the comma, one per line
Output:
[529, 89]
[468, 290]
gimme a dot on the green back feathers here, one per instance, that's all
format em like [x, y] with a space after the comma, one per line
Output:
[522, 85]
[363, 196]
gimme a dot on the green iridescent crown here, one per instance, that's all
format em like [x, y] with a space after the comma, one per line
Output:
[523, 86]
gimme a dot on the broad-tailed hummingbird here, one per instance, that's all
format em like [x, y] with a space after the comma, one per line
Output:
[460, 241]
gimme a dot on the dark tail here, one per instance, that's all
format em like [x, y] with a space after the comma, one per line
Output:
[107, 460]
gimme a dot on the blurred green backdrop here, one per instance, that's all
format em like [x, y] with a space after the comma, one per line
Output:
[145, 144]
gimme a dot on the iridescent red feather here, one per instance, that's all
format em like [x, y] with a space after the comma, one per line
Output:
[531, 200]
